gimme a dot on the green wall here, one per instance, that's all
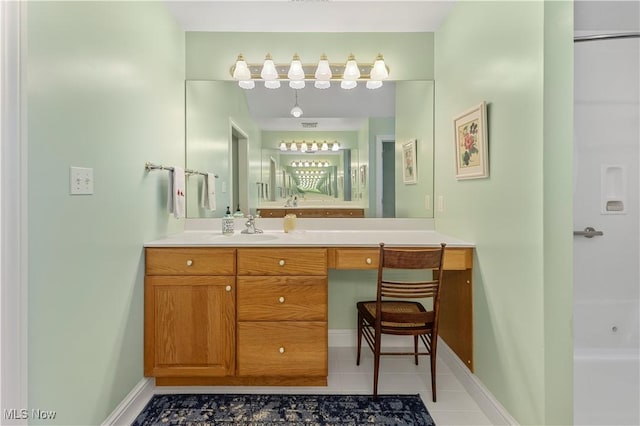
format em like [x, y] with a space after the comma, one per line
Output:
[213, 107]
[400, 51]
[414, 121]
[557, 213]
[104, 89]
[498, 52]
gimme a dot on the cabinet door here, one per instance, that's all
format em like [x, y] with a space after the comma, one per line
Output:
[189, 326]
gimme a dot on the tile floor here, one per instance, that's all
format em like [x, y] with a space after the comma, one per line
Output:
[398, 374]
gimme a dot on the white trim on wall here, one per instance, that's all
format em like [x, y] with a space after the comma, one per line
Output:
[13, 213]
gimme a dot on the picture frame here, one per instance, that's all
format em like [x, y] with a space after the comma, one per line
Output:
[471, 143]
[409, 163]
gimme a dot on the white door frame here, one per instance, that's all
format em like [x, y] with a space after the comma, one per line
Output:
[243, 162]
[13, 213]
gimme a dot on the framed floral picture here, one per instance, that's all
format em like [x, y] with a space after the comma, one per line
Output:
[409, 170]
[472, 150]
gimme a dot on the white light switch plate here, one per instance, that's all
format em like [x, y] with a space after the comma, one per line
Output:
[80, 181]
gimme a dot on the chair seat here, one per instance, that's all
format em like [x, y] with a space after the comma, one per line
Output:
[368, 310]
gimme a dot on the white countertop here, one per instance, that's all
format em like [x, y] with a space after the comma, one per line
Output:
[310, 238]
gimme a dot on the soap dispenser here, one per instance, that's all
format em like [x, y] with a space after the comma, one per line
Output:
[227, 223]
[238, 213]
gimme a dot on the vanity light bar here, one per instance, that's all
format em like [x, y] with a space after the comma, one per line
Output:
[308, 146]
[322, 72]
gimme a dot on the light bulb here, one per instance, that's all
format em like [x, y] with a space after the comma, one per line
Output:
[303, 148]
[321, 84]
[283, 146]
[379, 70]
[295, 69]
[269, 71]
[293, 146]
[247, 84]
[241, 70]
[348, 84]
[351, 70]
[325, 146]
[374, 84]
[296, 84]
[296, 111]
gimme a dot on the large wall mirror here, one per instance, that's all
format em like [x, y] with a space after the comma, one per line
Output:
[357, 160]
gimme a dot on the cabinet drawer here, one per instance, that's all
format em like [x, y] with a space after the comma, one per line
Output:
[315, 213]
[356, 258]
[282, 349]
[282, 261]
[282, 298]
[272, 212]
[190, 261]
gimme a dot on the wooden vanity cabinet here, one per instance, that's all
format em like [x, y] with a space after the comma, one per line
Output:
[189, 328]
[313, 212]
[282, 314]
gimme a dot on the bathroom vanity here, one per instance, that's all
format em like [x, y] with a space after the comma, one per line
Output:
[313, 212]
[253, 309]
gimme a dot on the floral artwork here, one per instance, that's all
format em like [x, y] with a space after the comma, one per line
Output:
[471, 143]
[409, 172]
[468, 135]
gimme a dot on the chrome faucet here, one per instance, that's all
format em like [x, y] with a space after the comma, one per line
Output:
[251, 226]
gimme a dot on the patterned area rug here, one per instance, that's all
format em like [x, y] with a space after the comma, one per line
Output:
[283, 410]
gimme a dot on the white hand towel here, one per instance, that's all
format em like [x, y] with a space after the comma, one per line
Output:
[208, 195]
[175, 196]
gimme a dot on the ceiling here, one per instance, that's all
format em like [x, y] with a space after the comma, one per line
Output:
[334, 108]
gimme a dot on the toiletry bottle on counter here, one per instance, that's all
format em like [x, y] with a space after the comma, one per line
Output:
[227, 223]
[238, 212]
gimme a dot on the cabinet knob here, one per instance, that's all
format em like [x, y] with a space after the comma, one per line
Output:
[369, 261]
[281, 350]
[189, 262]
[228, 288]
[281, 299]
[281, 262]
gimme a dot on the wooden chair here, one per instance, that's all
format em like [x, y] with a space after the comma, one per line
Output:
[388, 315]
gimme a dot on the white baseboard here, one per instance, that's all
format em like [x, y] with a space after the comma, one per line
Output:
[126, 412]
[129, 408]
[489, 405]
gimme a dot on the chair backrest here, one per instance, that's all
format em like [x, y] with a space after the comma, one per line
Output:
[428, 258]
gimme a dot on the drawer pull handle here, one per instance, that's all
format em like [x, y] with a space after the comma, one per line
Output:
[281, 299]
[281, 350]
[189, 262]
[281, 262]
[369, 261]
[228, 288]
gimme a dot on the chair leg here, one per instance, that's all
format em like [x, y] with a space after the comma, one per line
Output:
[376, 365]
[415, 348]
[432, 356]
[360, 320]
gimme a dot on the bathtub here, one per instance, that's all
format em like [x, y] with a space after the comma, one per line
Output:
[606, 363]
